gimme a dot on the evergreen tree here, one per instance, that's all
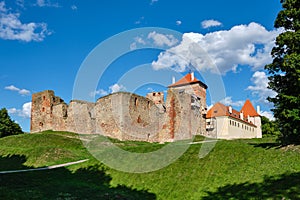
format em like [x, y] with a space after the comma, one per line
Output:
[285, 72]
[8, 126]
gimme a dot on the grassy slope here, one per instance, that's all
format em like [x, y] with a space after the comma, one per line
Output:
[239, 169]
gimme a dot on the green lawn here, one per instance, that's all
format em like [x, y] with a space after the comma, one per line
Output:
[237, 169]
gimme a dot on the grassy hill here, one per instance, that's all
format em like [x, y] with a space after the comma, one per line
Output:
[237, 169]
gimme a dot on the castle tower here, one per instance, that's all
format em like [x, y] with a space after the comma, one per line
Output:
[42, 110]
[251, 115]
[190, 93]
[191, 85]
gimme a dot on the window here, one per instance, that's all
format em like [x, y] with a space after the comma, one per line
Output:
[153, 93]
[136, 101]
[43, 109]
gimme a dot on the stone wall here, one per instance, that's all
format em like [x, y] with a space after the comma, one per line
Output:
[121, 115]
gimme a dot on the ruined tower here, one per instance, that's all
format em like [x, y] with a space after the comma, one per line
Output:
[42, 110]
[191, 96]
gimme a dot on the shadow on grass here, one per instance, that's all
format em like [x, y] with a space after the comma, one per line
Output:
[267, 145]
[85, 183]
[286, 186]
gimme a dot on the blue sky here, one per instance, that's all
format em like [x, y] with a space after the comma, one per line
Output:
[44, 43]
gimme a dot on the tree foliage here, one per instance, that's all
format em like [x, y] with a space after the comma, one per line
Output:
[285, 72]
[269, 128]
[8, 126]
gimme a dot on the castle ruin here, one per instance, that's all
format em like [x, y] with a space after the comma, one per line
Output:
[127, 116]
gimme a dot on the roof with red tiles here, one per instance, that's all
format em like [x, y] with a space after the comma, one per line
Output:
[220, 109]
[248, 109]
[188, 79]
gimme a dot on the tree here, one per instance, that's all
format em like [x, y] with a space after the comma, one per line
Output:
[269, 128]
[8, 126]
[285, 72]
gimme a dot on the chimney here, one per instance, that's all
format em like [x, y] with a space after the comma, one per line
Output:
[258, 109]
[192, 76]
[173, 79]
[230, 109]
[242, 116]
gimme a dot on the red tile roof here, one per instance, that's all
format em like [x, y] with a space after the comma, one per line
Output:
[248, 109]
[187, 80]
[220, 109]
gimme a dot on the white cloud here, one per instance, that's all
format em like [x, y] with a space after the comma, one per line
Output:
[267, 114]
[11, 28]
[116, 88]
[137, 40]
[154, 38]
[162, 39]
[240, 46]
[12, 88]
[20, 3]
[178, 22]
[153, 1]
[99, 92]
[140, 20]
[260, 87]
[111, 89]
[22, 92]
[46, 3]
[210, 23]
[150, 89]
[74, 7]
[24, 112]
[229, 102]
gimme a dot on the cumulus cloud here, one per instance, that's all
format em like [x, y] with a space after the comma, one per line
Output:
[154, 38]
[99, 92]
[229, 102]
[260, 87]
[116, 88]
[24, 112]
[221, 51]
[162, 39]
[111, 89]
[210, 23]
[178, 22]
[22, 92]
[11, 28]
[267, 114]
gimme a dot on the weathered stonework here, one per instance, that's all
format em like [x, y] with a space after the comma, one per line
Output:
[126, 116]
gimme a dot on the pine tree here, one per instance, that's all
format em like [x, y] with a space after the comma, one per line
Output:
[8, 126]
[285, 72]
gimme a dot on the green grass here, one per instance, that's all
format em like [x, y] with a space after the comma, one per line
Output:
[236, 169]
